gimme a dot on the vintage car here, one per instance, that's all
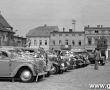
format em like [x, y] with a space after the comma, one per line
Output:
[21, 66]
[67, 58]
[81, 57]
[40, 52]
[102, 60]
[83, 54]
[58, 65]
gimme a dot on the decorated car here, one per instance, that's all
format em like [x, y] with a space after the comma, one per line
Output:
[58, 65]
[21, 66]
[81, 57]
[39, 53]
[66, 57]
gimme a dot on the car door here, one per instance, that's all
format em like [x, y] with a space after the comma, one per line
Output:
[4, 64]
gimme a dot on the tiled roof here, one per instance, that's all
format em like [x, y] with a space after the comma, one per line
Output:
[42, 31]
[3, 22]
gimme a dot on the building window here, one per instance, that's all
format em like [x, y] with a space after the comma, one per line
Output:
[60, 34]
[35, 42]
[66, 42]
[73, 42]
[79, 42]
[53, 42]
[53, 34]
[96, 31]
[73, 34]
[103, 32]
[60, 42]
[80, 34]
[89, 41]
[40, 42]
[66, 34]
[45, 42]
[90, 32]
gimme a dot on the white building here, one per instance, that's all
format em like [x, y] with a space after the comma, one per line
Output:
[40, 36]
[73, 39]
[94, 33]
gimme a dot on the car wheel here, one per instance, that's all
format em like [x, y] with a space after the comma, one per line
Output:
[26, 75]
[54, 69]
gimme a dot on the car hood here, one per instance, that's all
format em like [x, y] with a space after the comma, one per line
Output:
[23, 58]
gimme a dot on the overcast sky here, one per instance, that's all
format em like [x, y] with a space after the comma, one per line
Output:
[24, 15]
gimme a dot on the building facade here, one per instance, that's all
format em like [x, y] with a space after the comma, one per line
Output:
[6, 32]
[92, 34]
[19, 41]
[73, 40]
[40, 36]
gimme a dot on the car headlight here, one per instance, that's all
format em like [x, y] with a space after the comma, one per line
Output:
[68, 63]
[62, 65]
[69, 59]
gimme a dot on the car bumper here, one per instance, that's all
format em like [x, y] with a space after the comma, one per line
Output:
[43, 73]
[70, 67]
[63, 68]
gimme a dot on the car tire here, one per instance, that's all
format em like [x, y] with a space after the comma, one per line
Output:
[26, 75]
[54, 69]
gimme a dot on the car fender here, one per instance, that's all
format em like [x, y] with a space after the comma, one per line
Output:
[30, 66]
[55, 63]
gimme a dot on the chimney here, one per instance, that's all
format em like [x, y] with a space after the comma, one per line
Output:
[45, 25]
[88, 26]
[98, 26]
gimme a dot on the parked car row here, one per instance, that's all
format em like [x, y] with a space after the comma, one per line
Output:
[27, 64]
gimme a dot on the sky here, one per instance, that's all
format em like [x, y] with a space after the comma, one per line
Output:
[24, 15]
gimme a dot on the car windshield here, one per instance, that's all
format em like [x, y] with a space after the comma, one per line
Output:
[14, 53]
[64, 53]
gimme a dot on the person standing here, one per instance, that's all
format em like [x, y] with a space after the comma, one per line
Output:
[97, 58]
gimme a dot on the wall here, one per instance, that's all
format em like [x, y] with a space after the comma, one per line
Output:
[37, 44]
[67, 36]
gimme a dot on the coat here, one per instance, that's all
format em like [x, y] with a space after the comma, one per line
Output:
[97, 55]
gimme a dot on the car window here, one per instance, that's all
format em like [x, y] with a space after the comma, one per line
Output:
[3, 54]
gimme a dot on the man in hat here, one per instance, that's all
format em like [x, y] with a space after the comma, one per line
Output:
[97, 58]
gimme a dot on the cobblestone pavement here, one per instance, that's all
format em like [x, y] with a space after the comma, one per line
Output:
[77, 79]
